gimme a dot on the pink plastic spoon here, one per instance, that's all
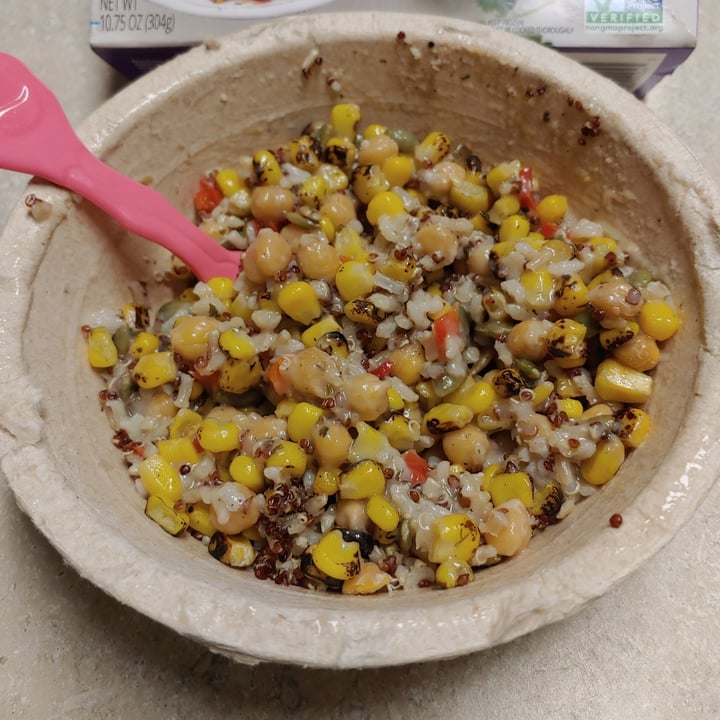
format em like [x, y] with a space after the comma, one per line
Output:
[37, 138]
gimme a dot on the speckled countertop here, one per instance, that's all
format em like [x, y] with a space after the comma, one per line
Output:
[648, 649]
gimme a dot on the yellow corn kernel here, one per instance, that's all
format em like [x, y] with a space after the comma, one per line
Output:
[658, 320]
[552, 208]
[237, 344]
[566, 343]
[400, 432]
[383, 513]
[350, 244]
[503, 207]
[144, 343]
[200, 519]
[571, 408]
[178, 451]
[222, 287]
[446, 417]
[614, 337]
[469, 197]
[336, 557]
[432, 149]
[327, 481]
[454, 536]
[514, 228]
[489, 473]
[539, 287]
[232, 550]
[373, 130]
[541, 392]
[302, 419]
[384, 203]
[102, 352]
[596, 260]
[160, 478]
[344, 118]
[615, 382]
[228, 181]
[239, 376]
[335, 177]
[368, 181]
[267, 168]
[313, 191]
[605, 461]
[169, 519]
[571, 296]
[398, 169]
[507, 485]
[369, 580]
[284, 407]
[601, 410]
[395, 401]
[354, 279]
[501, 178]
[452, 572]
[219, 437]
[327, 227]
[155, 369]
[400, 269]
[240, 307]
[186, 423]
[312, 335]
[635, 425]
[244, 470]
[478, 395]
[362, 480]
[299, 301]
[289, 456]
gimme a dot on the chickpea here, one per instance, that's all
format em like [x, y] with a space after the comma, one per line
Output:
[339, 209]
[331, 442]
[507, 528]
[266, 256]
[407, 363]
[376, 149]
[313, 372]
[367, 396]
[190, 336]
[270, 203]
[294, 235]
[528, 339]
[439, 180]
[269, 427]
[439, 241]
[478, 259]
[616, 298]
[467, 446]
[162, 404]
[639, 353]
[241, 519]
[318, 259]
[352, 515]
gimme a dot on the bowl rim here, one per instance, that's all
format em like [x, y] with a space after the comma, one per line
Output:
[460, 623]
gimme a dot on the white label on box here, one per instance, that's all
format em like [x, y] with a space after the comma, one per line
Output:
[624, 16]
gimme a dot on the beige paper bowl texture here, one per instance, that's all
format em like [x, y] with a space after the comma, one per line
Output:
[503, 96]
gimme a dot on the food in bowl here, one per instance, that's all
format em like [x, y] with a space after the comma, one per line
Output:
[423, 362]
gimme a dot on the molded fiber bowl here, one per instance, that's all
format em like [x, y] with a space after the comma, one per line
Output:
[260, 88]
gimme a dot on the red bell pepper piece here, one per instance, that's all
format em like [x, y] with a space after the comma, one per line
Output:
[444, 328]
[418, 467]
[208, 196]
[526, 195]
[383, 369]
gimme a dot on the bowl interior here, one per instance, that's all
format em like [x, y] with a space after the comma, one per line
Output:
[504, 97]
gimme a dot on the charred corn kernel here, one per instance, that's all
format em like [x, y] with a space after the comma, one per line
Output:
[501, 177]
[232, 550]
[571, 296]
[446, 417]
[453, 536]
[614, 337]
[160, 478]
[368, 443]
[135, 316]
[368, 181]
[155, 369]
[600, 278]
[395, 401]
[401, 432]
[364, 312]
[312, 335]
[344, 118]
[605, 462]
[333, 343]
[507, 485]
[571, 408]
[400, 269]
[514, 228]
[341, 153]
[469, 197]
[354, 279]
[222, 287]
[635, 424]
[228, 181]
[552, 208]
[299, 301]
[350, 245]
[335, 177]
[548, 500]
[327, 481]
[398, 169]
[507, 383]
[244, 469]
[336, 557]
[384, 203]
[289, 456]
[478, 395]
[102, 352]
[169, 519]
[218, 437]
[658, 320]
[539, 287]
[302, 419]
[489, 473]
[144, 343]
[373, 130]
[362, 480]
[452, 572]
[313, 191]
[200, 519]
[383, 513]
[186, 423]
[301, 153]
[239, 376]
[503, 207]
[541, 392]
[615, 382]
[267, 168]
[369, 580]
[566, 343]
[237, 344]
[432, 149]
[178, 451]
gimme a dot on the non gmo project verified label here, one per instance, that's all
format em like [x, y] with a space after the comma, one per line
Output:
[611, 16]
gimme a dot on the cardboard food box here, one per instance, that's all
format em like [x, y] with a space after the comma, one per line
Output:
[634, 42]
